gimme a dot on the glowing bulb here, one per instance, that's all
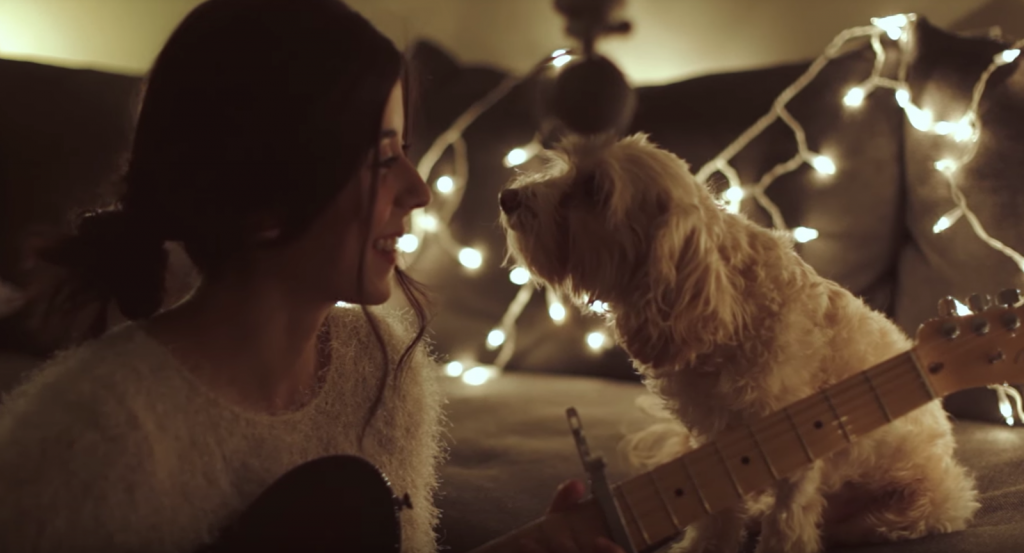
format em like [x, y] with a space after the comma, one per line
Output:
[599, 307]
[342, 304]
[854, 97]
[947, 220]
[476, 376]
[964, 130]
[946, 165]
[556, 311]
[944, 127]
[734, 194]
[1007, 56]
[892, 25]
[519, 276]
[804, 234]
[561, 60]
[445, 184]
[495, 338]
[470, 258]
[559, 52]
[921, 119]
[961, 309]
[824, 165]
[408, 243]
[426, 221]
[903, 97]
[596, 340]
[454, 369]
[517, 156]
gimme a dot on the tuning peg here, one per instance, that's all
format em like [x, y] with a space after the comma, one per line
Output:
[979, 302]
[1009, 297]
[947, 307]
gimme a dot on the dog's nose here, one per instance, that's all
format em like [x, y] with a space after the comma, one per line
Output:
[509, 200]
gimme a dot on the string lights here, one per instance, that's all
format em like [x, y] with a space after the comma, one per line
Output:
[898, 28]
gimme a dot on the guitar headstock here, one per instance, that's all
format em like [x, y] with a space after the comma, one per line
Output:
[975, 347]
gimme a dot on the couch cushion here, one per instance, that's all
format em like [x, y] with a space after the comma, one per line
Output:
[956, 262]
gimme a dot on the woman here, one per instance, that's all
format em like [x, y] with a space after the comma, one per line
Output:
[270, 145]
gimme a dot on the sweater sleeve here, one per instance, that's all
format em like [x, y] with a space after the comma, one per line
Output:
[76, 467]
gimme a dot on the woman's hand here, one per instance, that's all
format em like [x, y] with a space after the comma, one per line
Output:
[569, 494]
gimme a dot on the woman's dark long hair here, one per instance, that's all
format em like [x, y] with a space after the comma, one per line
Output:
[252, 106]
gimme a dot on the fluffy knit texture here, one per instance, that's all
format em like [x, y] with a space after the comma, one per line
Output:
[114, 447]
[727, 324]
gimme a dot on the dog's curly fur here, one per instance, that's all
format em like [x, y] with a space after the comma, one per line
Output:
[726, 324]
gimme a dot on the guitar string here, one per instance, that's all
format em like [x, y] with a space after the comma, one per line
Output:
[888, 379]
[885, 376]
[642, 506]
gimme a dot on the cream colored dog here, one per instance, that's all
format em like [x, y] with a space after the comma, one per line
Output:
[727, 324]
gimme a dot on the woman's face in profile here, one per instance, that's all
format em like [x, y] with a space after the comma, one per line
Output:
[326, 258]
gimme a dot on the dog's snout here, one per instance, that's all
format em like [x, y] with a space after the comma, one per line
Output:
[510, 200]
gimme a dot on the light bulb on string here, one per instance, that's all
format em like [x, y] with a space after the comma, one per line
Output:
[964, 130]
[1005, 409]
[804, 234]
[892, 25]
[596, 340]
[854, 97]
[454, 369]
[471, 258]
[1007, 56]
[519, 275]
[425, 221]
[444, 184]
[961, 309]
[558, 53]
[824, 165]
[903, 97]
[920, 119]
[522, 154]
[946, 166]
[495, 338]
[734, 194]
[342, 304]
[408, 243]
[947, 220]
[478, 375]
[557, 312]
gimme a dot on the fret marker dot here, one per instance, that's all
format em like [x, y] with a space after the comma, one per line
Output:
[745, 460]
[679, 492]
[818, 425]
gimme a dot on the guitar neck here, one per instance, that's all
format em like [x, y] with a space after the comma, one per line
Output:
[657, 505]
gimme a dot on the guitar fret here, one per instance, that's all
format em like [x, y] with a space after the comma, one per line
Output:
[874, 391]
[632, 514]
[798, 435]
[920, 374]
[732, 476]
[839, 418]
[689, 474]
[664, 501]
[760, 448]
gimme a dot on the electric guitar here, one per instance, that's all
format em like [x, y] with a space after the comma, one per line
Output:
[951, 353]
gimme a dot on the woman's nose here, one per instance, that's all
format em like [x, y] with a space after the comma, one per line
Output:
[510, 200]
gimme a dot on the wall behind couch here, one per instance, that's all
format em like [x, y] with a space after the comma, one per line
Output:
[674, 39]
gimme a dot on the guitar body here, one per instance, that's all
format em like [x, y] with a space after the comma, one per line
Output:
[339, 504]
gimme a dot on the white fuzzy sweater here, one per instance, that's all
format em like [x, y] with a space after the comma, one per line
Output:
[114, 447]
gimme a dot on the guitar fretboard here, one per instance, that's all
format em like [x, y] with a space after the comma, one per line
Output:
[657, 505]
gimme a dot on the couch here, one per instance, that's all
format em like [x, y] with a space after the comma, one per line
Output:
[62, 132]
